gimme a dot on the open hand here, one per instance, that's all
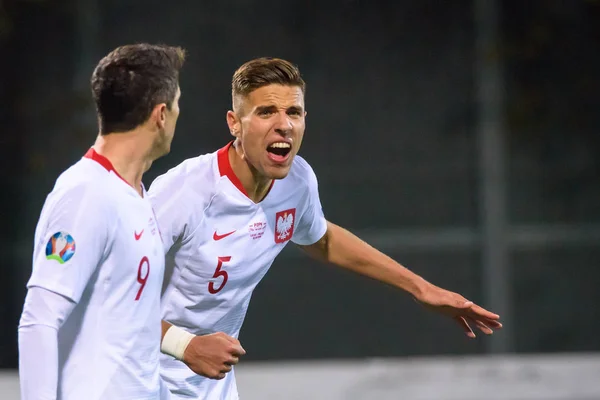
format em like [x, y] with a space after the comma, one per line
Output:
[463, 311]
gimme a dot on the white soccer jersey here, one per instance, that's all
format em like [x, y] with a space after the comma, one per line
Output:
[219, 245]
[97, 243]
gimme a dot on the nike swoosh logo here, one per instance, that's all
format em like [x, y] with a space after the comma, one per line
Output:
[137, 237]
[216, 236]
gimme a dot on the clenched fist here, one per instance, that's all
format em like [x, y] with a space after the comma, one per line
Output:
[213, 356]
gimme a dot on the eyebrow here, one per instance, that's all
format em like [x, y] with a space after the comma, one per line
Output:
[260, 109]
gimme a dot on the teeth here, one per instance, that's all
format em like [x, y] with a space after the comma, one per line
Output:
[281, 145]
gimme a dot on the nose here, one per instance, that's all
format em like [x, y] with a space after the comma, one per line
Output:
[283, 125]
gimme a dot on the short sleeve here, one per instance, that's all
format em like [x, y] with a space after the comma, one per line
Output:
[71, 239]
[312, 224]
[168, 199]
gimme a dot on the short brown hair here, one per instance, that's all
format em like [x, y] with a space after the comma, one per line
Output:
[262, 72]
[131, 80]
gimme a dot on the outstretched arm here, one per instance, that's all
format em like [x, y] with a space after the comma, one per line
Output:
[340, 247]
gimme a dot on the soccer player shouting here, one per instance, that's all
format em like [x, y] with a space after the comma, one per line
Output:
[225, 216]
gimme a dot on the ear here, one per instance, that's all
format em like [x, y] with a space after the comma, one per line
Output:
[234, 124]
[159, 114]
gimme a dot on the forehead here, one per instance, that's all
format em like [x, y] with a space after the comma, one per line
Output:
[278, 95]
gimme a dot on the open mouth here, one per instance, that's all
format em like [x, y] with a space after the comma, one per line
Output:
[279, 151]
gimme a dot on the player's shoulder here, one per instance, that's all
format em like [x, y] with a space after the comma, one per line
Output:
[301, 170]
[82, 184]
[198, 167]
[83, 177]
[194, 175]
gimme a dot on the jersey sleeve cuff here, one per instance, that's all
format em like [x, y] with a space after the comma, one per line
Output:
[316, 233]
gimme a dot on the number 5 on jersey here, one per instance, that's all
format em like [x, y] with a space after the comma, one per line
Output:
[219, 273]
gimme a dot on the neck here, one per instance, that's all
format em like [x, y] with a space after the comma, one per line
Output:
[130, 153]
[256, 185]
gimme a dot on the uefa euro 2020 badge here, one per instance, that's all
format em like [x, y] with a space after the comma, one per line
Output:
[60, 247]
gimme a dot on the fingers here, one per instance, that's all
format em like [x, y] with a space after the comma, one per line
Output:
[483, 319]
[488, 318]
[219, 372]
[493, 323]
[237, 349]
[226, 368]
[463, 303]
[482, 312]
[216, 374]
[214, 355]
[456, 300]
[219, 376]
[463, 323]
[232, 361]
[481, 325]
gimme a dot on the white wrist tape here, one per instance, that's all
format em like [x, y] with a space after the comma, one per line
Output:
[175, 342]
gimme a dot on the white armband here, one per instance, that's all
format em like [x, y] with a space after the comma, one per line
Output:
[175, 342]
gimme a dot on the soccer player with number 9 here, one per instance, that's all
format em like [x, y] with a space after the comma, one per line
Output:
[90, 327]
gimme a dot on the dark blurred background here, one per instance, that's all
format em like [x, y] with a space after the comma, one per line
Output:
[461, 139]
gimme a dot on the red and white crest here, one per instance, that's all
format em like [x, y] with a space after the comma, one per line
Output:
[284, 225]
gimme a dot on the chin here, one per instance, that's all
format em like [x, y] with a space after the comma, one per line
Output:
[163, 151]
[278, 173]
[167, 146]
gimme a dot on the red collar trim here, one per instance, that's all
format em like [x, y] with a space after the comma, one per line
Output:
[226, 170]
[105, 162]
